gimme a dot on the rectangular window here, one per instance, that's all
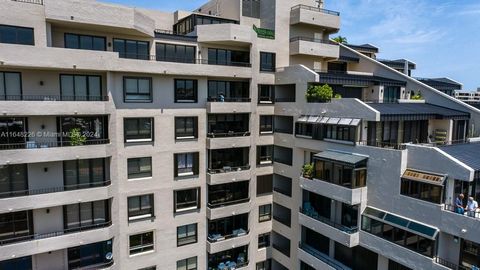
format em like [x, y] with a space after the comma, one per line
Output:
[228, 91]
[186, 128]
[186, 164]
[251, 8]
[228, 57]
[264, 212]
[84, 215]
[283, 155]
[267, 61]
[186, 235]
[85, 42]
[93, 128]
[227, 194]
[140, 243]
[132, 49]
[16, 225]
[282, 214]
[185, 200]
[137, 89]
[13, 180]
[264, 155]
[138, 129]
[139, 167]
[266, 124]
[88, 256]
[9, 127]
[266, 94]
[264, 184]
[187, 264]
[422, 191]
[16, 35]
[81, 87]
[10, 86]
[263, 240]
[84, 173]
[186, 91]
[175, 53]
[24, 263]
[140, 207]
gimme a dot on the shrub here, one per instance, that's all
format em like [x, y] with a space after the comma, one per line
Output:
[337, 96]
[317, 93]
[76, 137]
[307, 170]
[417, 96]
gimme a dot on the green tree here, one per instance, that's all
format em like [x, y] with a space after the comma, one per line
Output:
[76, 137]
[319, 93]
[340, 39]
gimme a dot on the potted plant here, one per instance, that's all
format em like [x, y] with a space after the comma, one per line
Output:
[307, 170]
[417, 96]
[319, 93]
[76, 137]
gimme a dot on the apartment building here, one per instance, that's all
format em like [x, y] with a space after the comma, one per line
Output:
[141, 139]
[472, 97]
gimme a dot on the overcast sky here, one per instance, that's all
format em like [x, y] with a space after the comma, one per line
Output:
[441, 36]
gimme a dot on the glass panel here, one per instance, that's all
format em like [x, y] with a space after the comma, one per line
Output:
[422, 229]
[70, 172]
[131, 49]
[73, 220]
[66, 86]
[12, 84]
[143, 50]
[119, 46]
[396, 220]
[144, 86]
[80, 87]
[99, 214]
[86, 42]
[2, 86]
[83, 172]
[71, 41]
[99, 43]
[25, 36]
[94, 87]
[86, 214]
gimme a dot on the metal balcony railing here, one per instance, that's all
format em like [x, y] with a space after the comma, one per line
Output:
[450, 265]
[54, 234]
[323, 257]
[51, 98]
[228, 99]
[228, 169]
[316, 216]
[453, 208]
[152, 57]
[310, 39]
[37, 2]
[213, 237]
[36, 145]
[317, 9]
[224, 203]
[396, 146]
[18, 193]
[228, 134]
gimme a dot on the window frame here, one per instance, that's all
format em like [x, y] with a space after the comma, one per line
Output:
[124, 53]
[152, 130]
[125, 94]
[178, 210]
[4, 94]
[273, 60]
[186, 263]
[78, 36]
[183, 241]
[195, 164]
[138, 162]
[263, 119]
[195, 91]
[262, 212]
[132, 217]
[186, 136]
[150, 247]
[91, 167]
[265, 242]
[81, 212]
[89, 97]
[16, 34]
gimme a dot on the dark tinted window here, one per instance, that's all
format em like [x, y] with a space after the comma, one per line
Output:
[90, 255]
[186, 127]
[136, 89]
[138, 129]
[267, 61]
[132, 49]
[81, 87]
[139, 167]
[186, 91]
[16, 35]
[85, 42]
[175, 53]
[264, 184]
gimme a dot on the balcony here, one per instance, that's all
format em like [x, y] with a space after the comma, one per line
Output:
[225, 34]
[336, 192]
[227, 232]
[50, 197]
[314, 16]
[238, 259]
[228, 194]
[72, 59]
[236, 208]
[229, 164]
[222, 127]
[314, 47]
[112, 18]
[319, 260]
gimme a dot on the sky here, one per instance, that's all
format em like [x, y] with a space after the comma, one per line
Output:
[441, 36]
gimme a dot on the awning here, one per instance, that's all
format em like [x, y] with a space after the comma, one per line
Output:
[401, 223]
[315, 119]
[341, 157]
[434, 179]
[416, 112]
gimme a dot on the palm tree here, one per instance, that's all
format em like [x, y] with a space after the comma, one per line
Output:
[340, 39]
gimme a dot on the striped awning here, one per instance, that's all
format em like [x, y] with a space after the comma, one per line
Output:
[429, 178]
